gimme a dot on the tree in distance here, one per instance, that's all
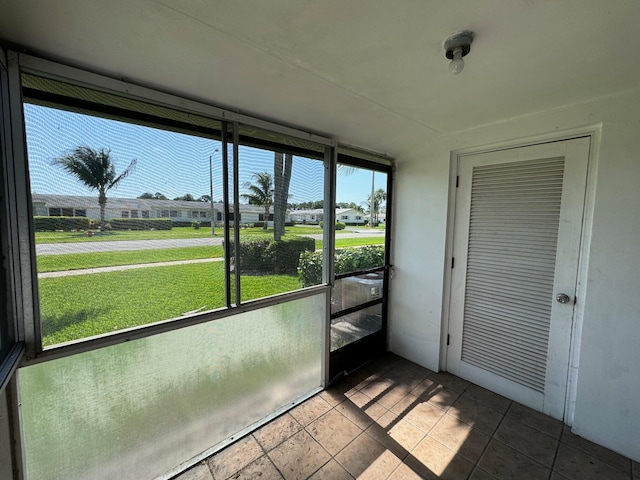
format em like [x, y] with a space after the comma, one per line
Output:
[379, 197]
[94, 168]
[186, 198]
[153, 196]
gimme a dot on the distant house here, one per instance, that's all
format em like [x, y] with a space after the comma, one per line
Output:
[310, 217]
[350, 216]
[179, 211]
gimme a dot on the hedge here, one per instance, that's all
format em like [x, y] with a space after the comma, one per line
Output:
[261, 224]
[60, 223]
[140, 223]
[339, 225]
[264, 255]
[350, 259]
[189, 223]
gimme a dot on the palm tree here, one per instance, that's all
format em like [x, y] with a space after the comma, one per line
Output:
[379, 197]
[96, 170]
[261, 193]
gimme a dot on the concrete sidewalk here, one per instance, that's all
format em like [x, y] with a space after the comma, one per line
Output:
[121, 268]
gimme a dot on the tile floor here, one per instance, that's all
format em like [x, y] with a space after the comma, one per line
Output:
[393, 419]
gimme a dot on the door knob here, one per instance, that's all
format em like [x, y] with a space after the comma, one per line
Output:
[563, 298]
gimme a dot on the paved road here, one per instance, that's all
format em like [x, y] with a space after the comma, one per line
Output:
[128, 245]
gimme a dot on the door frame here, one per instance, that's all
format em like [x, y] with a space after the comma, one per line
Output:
[594, 134]
[355, 354]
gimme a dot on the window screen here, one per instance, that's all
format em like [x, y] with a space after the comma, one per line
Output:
[154, 203]
[273, 179]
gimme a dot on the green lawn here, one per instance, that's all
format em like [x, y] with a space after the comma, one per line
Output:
[77, 261]
[356, 242]
[85, 305]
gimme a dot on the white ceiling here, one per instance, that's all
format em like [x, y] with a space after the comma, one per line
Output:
[370, 73]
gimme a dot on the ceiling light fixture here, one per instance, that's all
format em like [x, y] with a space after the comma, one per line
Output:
[456, 46]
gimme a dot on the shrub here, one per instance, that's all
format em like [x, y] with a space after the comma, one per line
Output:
[262, 255]
[350, 259]
[258, 224]
[339, 225]
[310, 268]
[196, 224]
[286, 253]
[358, 258]
[141, 223]
[60, 223]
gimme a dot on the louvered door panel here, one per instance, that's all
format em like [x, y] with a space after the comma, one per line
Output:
[513, 236]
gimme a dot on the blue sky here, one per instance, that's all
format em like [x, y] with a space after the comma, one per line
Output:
[167, 162]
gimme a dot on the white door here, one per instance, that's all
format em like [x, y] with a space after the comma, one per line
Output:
[518, 225]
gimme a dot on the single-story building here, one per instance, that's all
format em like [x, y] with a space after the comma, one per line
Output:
[350, 216]
[179, 211]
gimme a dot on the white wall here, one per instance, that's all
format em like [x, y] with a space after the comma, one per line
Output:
[607, 398]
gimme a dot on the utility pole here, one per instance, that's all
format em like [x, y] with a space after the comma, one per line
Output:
[372, 201]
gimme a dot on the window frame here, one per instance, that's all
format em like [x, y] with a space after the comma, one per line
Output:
[15, 272]
[25, 64]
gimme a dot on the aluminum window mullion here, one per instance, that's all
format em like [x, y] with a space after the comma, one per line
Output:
[328, 233]
[225, 203]
[236, 212]
[387, 250]
[24, 282]
[330, 162]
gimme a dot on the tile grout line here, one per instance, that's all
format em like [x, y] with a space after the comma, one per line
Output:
[555, 456]
[581, 451]
[491, 438]
[266, 454]
[332, 457]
